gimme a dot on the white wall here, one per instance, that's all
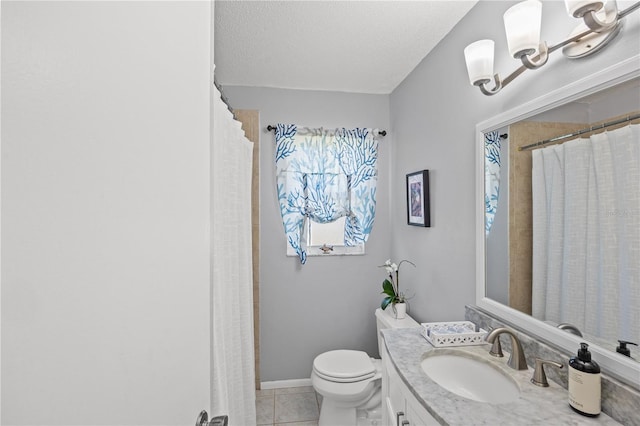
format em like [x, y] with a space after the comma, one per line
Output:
[105, 203]
[433, 116]
[329, 302]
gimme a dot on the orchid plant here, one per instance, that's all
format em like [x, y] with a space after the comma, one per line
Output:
[391, 285]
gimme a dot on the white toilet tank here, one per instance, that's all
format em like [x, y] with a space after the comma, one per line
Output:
[385, 319]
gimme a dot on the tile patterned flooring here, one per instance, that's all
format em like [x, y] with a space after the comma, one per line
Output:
[299, 406]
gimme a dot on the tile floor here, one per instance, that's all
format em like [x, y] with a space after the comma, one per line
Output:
[298, 406]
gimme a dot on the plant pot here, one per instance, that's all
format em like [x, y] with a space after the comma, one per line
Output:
[399, 310]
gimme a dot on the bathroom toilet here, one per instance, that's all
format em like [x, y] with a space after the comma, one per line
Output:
[350, 381]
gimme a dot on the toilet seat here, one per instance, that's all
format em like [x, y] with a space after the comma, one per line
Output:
[344, 366]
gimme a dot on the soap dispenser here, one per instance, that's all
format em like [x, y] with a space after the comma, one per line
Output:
[622, 348]
[584, 383]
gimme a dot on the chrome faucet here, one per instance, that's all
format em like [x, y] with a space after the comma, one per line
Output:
[539, 377]
[570, 328]
[517, 360]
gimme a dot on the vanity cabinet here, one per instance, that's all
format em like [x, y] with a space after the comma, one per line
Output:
[399, 406]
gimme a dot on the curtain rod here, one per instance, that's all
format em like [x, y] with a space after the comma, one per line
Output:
[580, 132]
[271, 128]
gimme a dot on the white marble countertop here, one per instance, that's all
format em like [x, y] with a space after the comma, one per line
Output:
[535, 406]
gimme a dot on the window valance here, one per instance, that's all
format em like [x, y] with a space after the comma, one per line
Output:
[322, 176]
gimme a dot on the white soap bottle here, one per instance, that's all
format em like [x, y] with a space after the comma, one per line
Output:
[584, 383]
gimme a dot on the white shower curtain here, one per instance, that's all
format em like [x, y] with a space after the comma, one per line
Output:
[232, 369]
[586, 234]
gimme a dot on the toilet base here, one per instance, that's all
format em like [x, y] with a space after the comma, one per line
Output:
[372, 417]
[369, 413]
[332, 415]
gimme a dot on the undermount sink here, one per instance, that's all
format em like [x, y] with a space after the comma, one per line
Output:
[469, 376]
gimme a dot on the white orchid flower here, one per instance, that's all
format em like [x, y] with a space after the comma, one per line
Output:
[387, 266]
[391, 285]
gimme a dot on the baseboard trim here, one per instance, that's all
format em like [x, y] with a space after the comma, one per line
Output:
[277, 384]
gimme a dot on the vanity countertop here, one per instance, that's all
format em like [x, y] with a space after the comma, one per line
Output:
[536, 405]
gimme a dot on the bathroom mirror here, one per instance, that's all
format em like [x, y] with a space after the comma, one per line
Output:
[505, 248]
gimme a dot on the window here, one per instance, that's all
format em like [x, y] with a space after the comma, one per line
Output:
[327, 235]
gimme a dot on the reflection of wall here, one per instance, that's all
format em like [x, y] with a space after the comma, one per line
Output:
[520, 217]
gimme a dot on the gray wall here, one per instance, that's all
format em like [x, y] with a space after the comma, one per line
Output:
[329, 302]
[433, 117]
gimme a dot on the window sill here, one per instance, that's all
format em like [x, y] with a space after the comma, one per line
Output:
[316, 251]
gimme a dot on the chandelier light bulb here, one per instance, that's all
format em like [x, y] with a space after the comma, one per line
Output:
[479, 59]
[600, 22]
[522, 26]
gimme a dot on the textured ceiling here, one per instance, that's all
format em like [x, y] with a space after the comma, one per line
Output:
[349, 46]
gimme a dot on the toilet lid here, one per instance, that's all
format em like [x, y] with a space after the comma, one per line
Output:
[344, 366]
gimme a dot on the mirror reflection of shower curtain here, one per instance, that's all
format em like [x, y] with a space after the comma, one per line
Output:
[586, 234]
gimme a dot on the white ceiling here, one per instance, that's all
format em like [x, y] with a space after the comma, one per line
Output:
[350, 46]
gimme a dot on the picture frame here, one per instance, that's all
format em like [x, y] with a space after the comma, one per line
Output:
[418, 209]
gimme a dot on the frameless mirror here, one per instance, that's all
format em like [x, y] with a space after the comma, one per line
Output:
[560, 275]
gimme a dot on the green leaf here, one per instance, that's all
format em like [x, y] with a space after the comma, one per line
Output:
[385, 302]
[387, 288]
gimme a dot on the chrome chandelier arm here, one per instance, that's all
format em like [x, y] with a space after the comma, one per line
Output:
[570, 40]
[608, 26]
[597, 25]
[589, 15]
[533, 62]
[497, 83]
[628, 10]
[593, 22]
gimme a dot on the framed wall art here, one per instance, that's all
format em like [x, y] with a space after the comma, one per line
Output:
[418, 199]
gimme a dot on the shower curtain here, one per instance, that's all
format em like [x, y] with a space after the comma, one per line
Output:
[586, 234]
[232, 369]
